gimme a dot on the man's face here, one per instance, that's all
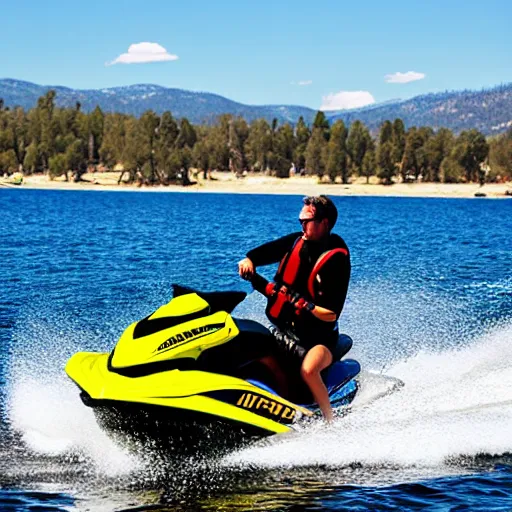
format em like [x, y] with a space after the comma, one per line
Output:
[312, 229]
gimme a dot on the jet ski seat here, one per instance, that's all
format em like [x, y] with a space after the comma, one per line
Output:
[343, 345]
[251, 327]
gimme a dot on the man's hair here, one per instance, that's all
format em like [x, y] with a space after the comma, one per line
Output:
[324, 209]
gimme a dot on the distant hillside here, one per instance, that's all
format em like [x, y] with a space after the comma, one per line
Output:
[489, 111]
[198, 107]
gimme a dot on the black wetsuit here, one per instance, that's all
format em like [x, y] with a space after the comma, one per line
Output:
[332, 288]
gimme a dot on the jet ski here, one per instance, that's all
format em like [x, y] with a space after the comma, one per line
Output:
[189, 374]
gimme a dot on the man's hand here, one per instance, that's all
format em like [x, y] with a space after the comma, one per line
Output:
[270, 289]
[303, 305]
[300, 303]
[246, 269]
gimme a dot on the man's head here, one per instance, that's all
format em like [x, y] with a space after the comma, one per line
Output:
[317, 217]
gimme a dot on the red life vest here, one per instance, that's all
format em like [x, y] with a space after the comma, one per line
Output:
[287, 275]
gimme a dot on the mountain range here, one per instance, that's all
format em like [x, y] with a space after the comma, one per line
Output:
[488, 110]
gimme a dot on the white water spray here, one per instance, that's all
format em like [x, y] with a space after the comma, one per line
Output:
[457, 400]
[45, 407]
[454, 403]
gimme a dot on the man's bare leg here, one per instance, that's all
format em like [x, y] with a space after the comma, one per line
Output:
[316, 360]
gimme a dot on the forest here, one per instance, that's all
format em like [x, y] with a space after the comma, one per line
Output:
[159, 149]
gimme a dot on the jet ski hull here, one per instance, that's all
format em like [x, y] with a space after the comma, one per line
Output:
[178, 404]
[192, 410]
[137, 425]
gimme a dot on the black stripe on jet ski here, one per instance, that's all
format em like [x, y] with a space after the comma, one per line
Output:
[210, 328]
[146, 327]
[182, 363]
[142, 370]
[254, 402]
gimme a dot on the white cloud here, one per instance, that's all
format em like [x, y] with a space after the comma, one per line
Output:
[143, 52]
[403, 78]
[302, 82]
[346, 99]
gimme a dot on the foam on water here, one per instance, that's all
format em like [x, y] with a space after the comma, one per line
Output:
[44, 406]
[53, 421]
[454, 403]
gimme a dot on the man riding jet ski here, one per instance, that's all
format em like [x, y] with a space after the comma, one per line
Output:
[306, 299]
[189, 375]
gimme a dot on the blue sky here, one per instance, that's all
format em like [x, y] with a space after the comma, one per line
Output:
[330, 54]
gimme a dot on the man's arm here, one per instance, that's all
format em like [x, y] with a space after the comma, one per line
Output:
[266, 254]
[272, 252]
[324, 314]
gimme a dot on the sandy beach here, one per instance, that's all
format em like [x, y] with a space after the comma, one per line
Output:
[261, 184]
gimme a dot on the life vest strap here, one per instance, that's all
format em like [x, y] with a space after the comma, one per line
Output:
[289, 267]
[276, 304]
[291, 263]
[327, 255]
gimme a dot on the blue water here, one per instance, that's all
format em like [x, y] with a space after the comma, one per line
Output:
[430, 302]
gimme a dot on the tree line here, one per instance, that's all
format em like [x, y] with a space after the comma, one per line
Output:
[159, 149]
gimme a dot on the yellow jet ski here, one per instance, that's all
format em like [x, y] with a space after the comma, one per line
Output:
[188, 374]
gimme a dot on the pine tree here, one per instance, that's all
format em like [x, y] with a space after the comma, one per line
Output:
[398, 140]
[187, 135]
[385, 162]
[369, 164]
[284, 146]
[113, 141]
[386, 132]
[437, 149]
[258, 144]
[358, 141]
[322, 123]
[302, 135]
[315, 153]
[474, 152]
[336, 164]
[164, 145]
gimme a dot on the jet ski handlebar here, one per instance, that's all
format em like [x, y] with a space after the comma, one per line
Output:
[270, 289]
[260, 284]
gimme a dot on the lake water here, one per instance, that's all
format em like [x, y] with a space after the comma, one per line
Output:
[430, 302]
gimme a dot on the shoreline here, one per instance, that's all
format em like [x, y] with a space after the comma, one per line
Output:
[224, 183]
